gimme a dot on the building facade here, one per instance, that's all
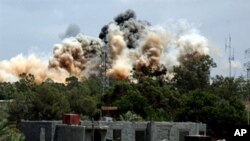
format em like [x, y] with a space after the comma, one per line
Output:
[110, 131]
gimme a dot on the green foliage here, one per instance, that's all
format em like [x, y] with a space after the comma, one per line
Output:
[7, 91]
[189, 96]
[81, 103]
[193, 74]
[72, 82]
[83, 96]
[197, 106]
[26, 83]
[135, 102]
[94, 85]
[19, 108]
[117, 90]
[48, 103]
[206, 107]
[49, 100]
[163, 100]
[130, 116]
[226, 87]
[148, 98]
[45, 102]
[171, 102]
[152, 91]
[9, 132]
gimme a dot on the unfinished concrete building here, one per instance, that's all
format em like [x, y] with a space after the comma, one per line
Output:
[110, 131]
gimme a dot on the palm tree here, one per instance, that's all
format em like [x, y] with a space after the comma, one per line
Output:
[9, 132]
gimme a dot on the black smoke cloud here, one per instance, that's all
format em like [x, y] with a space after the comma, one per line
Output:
[71, 31]
[131, 45]
[131, 27]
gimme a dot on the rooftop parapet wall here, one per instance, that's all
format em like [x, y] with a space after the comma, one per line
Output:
[151, 131]
[39, 130]
[4, 103]
[174, 131]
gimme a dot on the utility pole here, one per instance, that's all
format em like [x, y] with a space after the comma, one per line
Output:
[230, 54]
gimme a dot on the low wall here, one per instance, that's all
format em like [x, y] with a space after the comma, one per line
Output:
[116, 130]
[39, 130]
[4, 103]
[69, 133]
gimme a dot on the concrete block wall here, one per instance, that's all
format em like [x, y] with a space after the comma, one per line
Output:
[69, 133]
[159, 131]
[154, 131]
[39, 130]
[127, 128]
[171, 130]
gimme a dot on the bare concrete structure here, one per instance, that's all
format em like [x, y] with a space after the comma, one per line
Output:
[110, 131]
[4, 103]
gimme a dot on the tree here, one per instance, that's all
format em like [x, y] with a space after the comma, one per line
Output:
[163, 99]
[151, 89]
[207, 107]
[72, 82]
[226, 87]
[118, 89]
[94, 84]
[172, 101]
[130, 116]
[134, 102]
[82, 103]
[193, 74]
[7, 91]
[9, 132]
[198, 106]
[48, 103]
[44, 102]
[20, 107]
[26, 82]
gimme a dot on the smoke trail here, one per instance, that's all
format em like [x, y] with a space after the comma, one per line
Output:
[131, 46]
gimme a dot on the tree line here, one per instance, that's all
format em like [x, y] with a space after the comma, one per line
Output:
[190, 96]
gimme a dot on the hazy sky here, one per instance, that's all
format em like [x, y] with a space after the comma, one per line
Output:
[28, 26]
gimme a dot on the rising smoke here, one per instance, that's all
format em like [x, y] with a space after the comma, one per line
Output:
[131, 45]
[71, 31]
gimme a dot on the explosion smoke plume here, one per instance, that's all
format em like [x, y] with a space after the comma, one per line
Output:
[131, 44]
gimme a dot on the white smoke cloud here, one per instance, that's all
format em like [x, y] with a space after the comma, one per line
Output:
[131, 43]
[234, 64]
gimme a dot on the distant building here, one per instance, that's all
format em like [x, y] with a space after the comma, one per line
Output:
[4, 103]
[110, 131]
